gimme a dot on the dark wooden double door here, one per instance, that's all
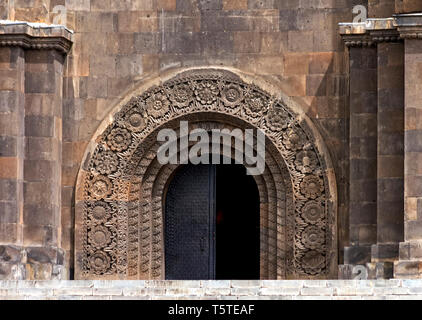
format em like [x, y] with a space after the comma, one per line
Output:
[211, 224]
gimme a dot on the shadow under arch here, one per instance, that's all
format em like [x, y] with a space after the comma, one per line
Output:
[108, 222]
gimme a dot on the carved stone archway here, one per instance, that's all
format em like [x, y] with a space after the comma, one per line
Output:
[119, 192]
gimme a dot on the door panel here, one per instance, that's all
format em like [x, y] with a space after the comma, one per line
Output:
[190, 224]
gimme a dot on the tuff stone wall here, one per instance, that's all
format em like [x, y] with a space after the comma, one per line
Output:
[293, 43]
[212, 290]
[119, 44]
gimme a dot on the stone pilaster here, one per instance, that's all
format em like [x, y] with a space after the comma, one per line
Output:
[390, 163]
[410, 263]
[11, 156]
[30, 243]
[376, 147]
[363, 154]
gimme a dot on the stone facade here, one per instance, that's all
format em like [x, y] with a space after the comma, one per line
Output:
[353, 95]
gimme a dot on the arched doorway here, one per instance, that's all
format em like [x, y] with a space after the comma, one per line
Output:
[120, 187]
[212, 224]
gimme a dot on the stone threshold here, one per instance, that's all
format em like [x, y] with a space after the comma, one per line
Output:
[211, 290]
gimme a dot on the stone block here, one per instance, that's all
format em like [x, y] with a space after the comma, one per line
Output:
[294, 86]
[147, 42]
[9, 80]
[137, 21]
[363, 213]
[168, 5]
[10, 254]
[245, 291]
[245, 283]
[301, 41]
[316, 85]
[39, 126]
[235, 4]
[104, 66]
[357, 255]
[44, 82]
[408, 6]
[247, 42]
[317, 291]
[296, 64]
[41, 214]
[9, 167]
[8, 101]
[78, 5]
[129, 66]
[39, 235]
[405, 269]
[279, 291]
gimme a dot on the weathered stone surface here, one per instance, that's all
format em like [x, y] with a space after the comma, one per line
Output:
[294, 45]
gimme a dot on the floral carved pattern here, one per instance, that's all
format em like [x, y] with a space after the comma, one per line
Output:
[121, 220]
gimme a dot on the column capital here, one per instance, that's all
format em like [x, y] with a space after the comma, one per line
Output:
[35, 36]
[369, 33]
[409, 25]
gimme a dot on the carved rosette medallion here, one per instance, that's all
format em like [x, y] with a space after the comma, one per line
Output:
[119, 139]
[134, 245]
[181, 95]
[106, 162]
[232, 95]
[158, 105]
[311, 187]
[313, 237]
[313, 212]
[277, 119]
[206, 92]
[100, 187]
[313, 262]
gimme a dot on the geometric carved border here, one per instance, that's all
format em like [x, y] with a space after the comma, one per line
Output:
[119, 217]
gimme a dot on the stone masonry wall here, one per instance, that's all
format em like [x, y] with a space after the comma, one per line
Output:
[117, 44]
[213, 290]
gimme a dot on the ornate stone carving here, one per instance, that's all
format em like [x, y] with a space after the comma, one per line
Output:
[99, 262]
[311, 187]
[99, 237]
[255, 104]
[312, 212]
[206, 92]
[100, 187]
[277, 119]
[294, 139]
[306, 161]
[158, 105]
[119, 139]
[313, 262]
[128, 147]
[231, 95]
[313, 237]
[99, 212]
[181, 95]
[106, 162]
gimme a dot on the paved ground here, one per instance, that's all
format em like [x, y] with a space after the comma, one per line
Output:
[204, 290]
